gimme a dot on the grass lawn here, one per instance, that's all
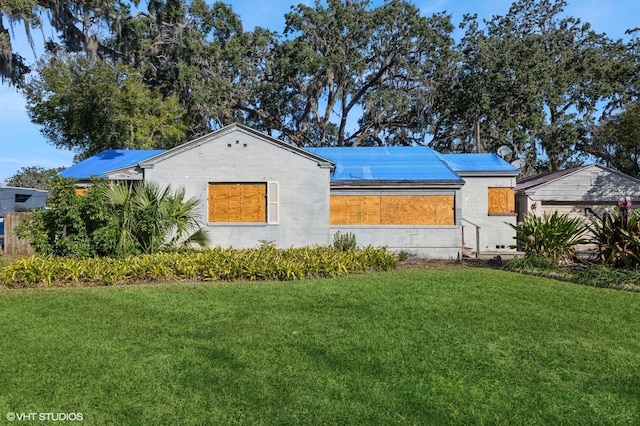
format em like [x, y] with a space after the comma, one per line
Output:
[452, 345]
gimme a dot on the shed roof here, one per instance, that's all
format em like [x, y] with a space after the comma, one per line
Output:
[478, 163]
[105, 161]
[626, 185]
[542, 178]
[393, 163]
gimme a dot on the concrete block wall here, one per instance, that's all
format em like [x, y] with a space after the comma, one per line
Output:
[428, 242]
[238, 157]
[495, 234]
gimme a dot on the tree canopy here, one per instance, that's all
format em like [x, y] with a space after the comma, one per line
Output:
[344, 73]
[33, 177]
[617, 141]
[351, 75]
[85, 105]
[531, 80]
[78, 24]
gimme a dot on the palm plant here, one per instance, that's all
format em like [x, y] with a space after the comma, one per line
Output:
[552, 236]
[149, 218]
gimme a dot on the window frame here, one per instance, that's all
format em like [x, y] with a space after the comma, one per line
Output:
[270, 205]
[510, 204]
[385, 209]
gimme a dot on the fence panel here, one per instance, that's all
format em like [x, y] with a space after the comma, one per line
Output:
[12, 244]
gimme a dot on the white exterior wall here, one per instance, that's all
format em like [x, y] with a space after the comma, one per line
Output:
[590, 184]
[495, 234]
[426, 241]
[303, 187]
[578, 209]
[593, 187]
[430, 242]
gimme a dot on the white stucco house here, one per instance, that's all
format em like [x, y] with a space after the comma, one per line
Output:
[256, 188]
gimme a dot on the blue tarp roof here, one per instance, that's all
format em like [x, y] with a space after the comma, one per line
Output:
[392, 163]
[108, 160]
[477, 163]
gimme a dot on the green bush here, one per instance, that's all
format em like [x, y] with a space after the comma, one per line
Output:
[344, 242]
[529, 262]
[218, 264]
[112, 220]
[67, 227]
[551, 236]
[617, 235]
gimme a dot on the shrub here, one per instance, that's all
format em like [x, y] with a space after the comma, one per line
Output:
[345, 241]
[603, 276]
[617, 235]
[529, 262]
[112, 220]
[72, 226]
[149, 218]
[551, 236]
[218, 264]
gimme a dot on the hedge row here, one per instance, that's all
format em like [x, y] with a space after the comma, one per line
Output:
[219, 264]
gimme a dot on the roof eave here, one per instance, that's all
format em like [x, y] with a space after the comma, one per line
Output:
[492, 173]
[397, 184]
[321, 161]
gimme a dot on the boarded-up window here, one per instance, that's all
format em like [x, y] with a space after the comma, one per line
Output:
[392, 210]
[237, 202]
[501, 201]
[355, 209]
[81, 191]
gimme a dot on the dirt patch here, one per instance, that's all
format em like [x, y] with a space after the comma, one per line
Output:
[419, 262]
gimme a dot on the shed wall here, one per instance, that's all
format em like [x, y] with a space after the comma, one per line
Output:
[588, 184]
[37, 199]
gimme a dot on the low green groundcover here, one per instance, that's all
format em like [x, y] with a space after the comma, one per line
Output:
[431, 345]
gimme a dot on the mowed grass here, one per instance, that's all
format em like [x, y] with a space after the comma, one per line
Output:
[419, 346]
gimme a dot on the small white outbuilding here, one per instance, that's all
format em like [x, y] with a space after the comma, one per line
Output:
[576, 191]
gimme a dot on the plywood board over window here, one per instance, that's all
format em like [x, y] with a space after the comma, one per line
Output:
[501, 201]
[237, 202]
[355, 209]
[417, 210]
[392, 210]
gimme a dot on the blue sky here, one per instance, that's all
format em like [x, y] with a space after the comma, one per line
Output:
[22, 144]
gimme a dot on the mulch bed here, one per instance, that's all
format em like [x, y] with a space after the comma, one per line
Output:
[419, 262]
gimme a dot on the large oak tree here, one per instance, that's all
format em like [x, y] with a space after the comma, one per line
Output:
[344, 73]
[349, 74]
[616, 142]
[531, 80]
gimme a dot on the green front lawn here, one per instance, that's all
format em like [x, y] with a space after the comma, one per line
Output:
[422, 346]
